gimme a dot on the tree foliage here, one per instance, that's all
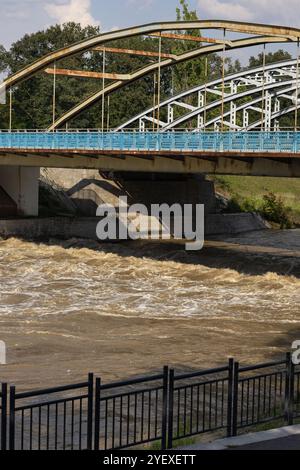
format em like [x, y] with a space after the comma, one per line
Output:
[271, 58]
[32, 99]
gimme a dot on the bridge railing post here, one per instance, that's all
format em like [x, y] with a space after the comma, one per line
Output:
[261, 141]
[295, 142]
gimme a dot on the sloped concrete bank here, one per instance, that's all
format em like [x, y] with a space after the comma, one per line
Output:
[85, 227]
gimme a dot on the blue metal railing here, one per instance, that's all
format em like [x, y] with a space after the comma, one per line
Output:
[288, 142]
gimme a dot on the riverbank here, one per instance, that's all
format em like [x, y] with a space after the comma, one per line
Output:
[248, 193]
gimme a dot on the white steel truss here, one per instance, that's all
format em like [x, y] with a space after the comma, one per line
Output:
[250, 99]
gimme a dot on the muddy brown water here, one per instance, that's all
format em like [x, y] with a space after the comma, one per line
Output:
[119, 310]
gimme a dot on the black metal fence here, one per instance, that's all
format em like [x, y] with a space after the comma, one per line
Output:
[294, 392]
[3, 416]
[200, 402]
[262, 394]
[52, 419]
[162, 408]
[131, 413]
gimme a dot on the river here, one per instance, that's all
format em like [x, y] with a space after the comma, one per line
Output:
[118, 310]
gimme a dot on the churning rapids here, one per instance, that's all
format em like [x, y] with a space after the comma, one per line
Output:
[67, 308]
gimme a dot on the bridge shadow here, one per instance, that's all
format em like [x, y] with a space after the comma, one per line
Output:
[105, 185]
[86, 194]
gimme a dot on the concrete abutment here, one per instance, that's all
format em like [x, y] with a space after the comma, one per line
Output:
[20, 186]
[88, 189]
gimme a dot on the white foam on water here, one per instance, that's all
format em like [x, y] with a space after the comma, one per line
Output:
[39, 280]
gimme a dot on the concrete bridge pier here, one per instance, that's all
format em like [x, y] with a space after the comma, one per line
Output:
[19, 191]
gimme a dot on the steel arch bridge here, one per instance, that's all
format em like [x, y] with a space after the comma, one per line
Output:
[253, 99]
[249, 35]
[248, 105]
[247, 101]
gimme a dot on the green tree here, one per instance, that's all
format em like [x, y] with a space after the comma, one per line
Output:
[271, 58]
[32, 99]
[188, 74]
[3, 59]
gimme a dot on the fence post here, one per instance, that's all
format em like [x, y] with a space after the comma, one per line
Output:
[3, 417]
[97, 414]
[235, 398]
[171, 409]
[292, 388]
[289, 390]
[230, 397]
[12, 400]
[90, 411]
[165, 408]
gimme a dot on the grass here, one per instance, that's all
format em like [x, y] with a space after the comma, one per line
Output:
[200, 439]
[184, 441]
[248, 193]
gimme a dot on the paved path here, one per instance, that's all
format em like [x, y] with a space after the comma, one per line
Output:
[286, 443]
[287, 438]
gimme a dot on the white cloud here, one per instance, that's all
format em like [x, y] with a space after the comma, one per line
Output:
[217, 9]
[266, 11]
[78, 11]
[140, 4]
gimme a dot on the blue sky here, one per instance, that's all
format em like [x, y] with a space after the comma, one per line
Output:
[18, 17]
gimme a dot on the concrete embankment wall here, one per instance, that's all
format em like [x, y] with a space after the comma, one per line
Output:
[231, 224]
[66, 228]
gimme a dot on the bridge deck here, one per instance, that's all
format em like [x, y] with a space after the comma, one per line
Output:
[277, 144]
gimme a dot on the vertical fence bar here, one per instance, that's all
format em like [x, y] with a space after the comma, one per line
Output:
[171, 409]
[235, 398]
[292, 394]
[97, 414]
[12, 401]
[165, 408]
[3, 417]
[90, 411]
[289, 396]
[288, 388]
[230, 396]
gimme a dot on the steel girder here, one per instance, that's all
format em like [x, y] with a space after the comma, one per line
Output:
[265, 86]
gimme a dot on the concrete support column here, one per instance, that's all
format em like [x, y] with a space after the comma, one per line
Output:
[22, 185]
